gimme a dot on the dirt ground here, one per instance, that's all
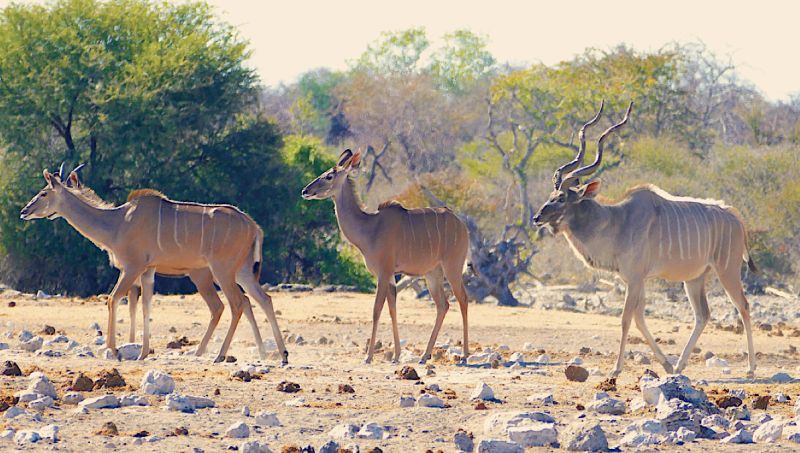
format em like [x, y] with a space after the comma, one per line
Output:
[345, 319]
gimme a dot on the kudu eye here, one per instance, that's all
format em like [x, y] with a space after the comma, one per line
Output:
[330, 176]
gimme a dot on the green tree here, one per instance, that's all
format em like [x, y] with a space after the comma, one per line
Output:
[396, 53]
[462, 61]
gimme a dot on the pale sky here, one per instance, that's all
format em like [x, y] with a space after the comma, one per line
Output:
[290, 37]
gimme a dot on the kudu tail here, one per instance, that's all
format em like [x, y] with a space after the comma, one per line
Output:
[257, 258]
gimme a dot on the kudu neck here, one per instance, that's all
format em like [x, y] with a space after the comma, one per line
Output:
[353, 221]
[96, 224]
[588, 219]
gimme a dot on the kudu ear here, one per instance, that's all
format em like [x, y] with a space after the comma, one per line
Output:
[47, 177]
[589, 190]
[356, 160]
[73, 181]
[345, 157]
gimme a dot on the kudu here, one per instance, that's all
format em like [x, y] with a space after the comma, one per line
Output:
[202, 278]
[432, 242]
[650, 233]
[152, 233]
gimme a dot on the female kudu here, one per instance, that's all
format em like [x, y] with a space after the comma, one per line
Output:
[431, 241]
[152, 232]
[650, 233]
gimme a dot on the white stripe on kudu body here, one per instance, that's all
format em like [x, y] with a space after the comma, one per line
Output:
[697, 235]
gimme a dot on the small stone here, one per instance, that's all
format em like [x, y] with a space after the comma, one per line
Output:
[739, 437]
[782, 378]
[762, 402]
[482, 392]
[481, 406]
[242, 375]
[780, 397]
[255, 446]
[181, 431]
[576, 373]
[238, 430]
[499, 446]
[82, 383]
[370, 431]
[40, 404]
[606, 405]
[534, 434]
[186, 403]
[608, 385]
[716, 362]
[464, 441]
[39, 383]
[156, 382]
[407, 401]
[727, 401]
[230, 359]
[288, 387]
[543, 359]
[133, 400]
[109, 379]
[108, 429]
[72, 398]
[346, 388]
[32, 345]
[129, 351]
[584, 436]
[246, 411]
[100, 402]
[48, 330]
[11, 369]
[267, 419]
[344, 431]
[768, 432]
[407, 373]
[428, 400]
[14, 411]
[329, 447]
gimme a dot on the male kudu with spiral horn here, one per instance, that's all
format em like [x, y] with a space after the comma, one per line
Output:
[650, 233]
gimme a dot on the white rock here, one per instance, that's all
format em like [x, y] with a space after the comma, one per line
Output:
[24, 336]
[246, 411]
[26, 396]
[792, 433]
[39, 383]
[344, 431]
[407, 356]
[267, 419]
[370, 430]
[716, 421]
[42, 295]
[156, 382]
[517, 357]
[27, 436]
[72, 345]
[544, 358]
[584, 436]
[739, 437]
[186, 403]
[99, 340]
[300, 401]
[14, 412]
[32, 345]
[330, 446]
[543, 399]
[100, 402]
[238, 430]
[50, 433]
[428, 400]
[716, 362]
[4, 346]
[528, 347]
[499, 446]
[40, 404]
[463, 441]
[72, 398]
[133, 400]
[254, 446]
[768, 432]
[407, 401]
[129, 351]
[533, 434]
[59, 339]
[607, 405]
[478, 358]
[576, 361]
[497, 425]
[638, 403]
[482, 392]
[780, 397]
[7, 435]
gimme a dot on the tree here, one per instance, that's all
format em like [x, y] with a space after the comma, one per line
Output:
[462, 61]
[148, 95]
[396, 53]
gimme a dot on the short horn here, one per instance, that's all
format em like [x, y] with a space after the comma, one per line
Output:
[61, 171]
[78, 168]
[581, 150]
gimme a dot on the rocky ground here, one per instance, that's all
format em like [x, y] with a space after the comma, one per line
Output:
[514, 392]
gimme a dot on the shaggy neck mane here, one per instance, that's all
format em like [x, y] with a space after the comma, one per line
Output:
[88, 196]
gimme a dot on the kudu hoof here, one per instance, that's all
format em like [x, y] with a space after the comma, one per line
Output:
[285, 360]
[219, 358]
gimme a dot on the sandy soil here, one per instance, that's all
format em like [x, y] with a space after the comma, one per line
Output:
[319, 369]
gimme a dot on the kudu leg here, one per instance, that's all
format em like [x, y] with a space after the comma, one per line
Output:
[148, 281]
[435, 281]
[391, 299]
[733, 287]
[133, 302]
[204, 282]
[633, 297]
[380, 298]
[638, 316]
[254, 290]
[127, 278]
[457, 284]
[236, 302]
[696, 291]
